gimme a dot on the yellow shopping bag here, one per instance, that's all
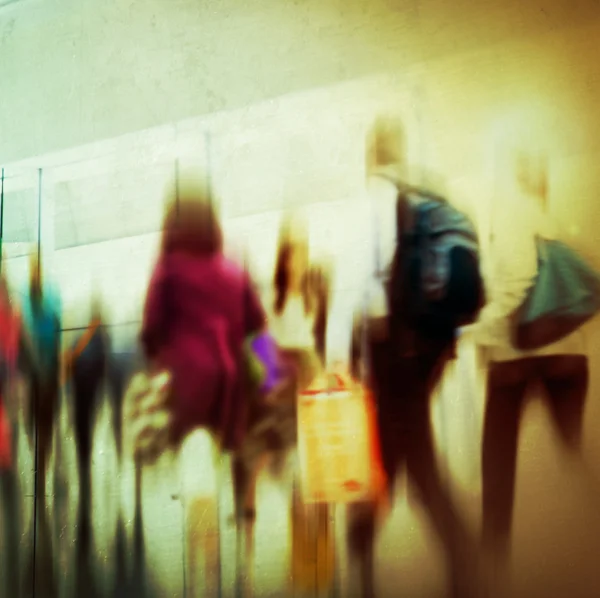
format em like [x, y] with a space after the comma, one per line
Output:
[338, 445]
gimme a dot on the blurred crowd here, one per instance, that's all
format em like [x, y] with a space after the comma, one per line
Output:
[204, 321]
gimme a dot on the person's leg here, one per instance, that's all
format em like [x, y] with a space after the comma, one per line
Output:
[200, 499]
[362, 517]
[46, 409]
[506, 389]
[415, 388]
[460, 548]
[84, 393]
[299, 367]
[566, 380]
[245, 475]
[44, 418]
[33, 399]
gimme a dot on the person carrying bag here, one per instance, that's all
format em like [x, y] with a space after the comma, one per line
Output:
[541, 293]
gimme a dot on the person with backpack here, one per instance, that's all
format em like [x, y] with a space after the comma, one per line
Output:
[428, 287]
[540, 293]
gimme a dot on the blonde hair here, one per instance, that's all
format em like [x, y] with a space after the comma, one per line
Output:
[292, 235]
[386, 144]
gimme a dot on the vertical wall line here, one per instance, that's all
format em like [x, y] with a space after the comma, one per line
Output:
[36, 488]
[1, 217]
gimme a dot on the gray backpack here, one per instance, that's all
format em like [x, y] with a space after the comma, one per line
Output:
[436, 283]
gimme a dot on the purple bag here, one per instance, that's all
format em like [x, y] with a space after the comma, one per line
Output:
[266, 350]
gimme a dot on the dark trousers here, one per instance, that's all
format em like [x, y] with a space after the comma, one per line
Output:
[403, 388]
[87, 382]
[43, 404]
[564, 379]
[43, 410]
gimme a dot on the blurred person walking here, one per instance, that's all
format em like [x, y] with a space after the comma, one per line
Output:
[406, 351]
[42, 321]
[522, 227]
[42, 317]
[85, 366]
[10, 333]
[200, 309]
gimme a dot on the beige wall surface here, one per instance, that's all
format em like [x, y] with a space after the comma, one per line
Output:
[74, 72]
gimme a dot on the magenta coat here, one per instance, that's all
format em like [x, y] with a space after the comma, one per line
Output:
[198, 313]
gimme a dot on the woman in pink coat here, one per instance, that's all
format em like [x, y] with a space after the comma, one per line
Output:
[200, 307]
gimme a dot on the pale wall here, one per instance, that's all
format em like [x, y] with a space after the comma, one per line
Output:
[74, 72]
[306, 148]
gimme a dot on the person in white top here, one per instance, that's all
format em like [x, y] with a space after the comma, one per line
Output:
[402, 381]
[291, 320]
[296, 304]
[298, 323]
[562, 368]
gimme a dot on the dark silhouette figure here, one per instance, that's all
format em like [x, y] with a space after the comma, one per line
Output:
[40, 358]
[42, 320]
[402, 388]
[88, 364]
[402, 358]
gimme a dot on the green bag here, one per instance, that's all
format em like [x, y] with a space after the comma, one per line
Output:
[566, 294]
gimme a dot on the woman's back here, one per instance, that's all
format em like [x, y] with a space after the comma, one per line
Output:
[198, 313]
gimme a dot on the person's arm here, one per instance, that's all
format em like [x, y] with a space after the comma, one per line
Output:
[255, 319]
[84, 339]
[70, 355]
[154, 324]
[514, 269]
[357, 356]
[319, 285]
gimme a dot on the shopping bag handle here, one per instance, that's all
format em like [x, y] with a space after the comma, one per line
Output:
[335, 383]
